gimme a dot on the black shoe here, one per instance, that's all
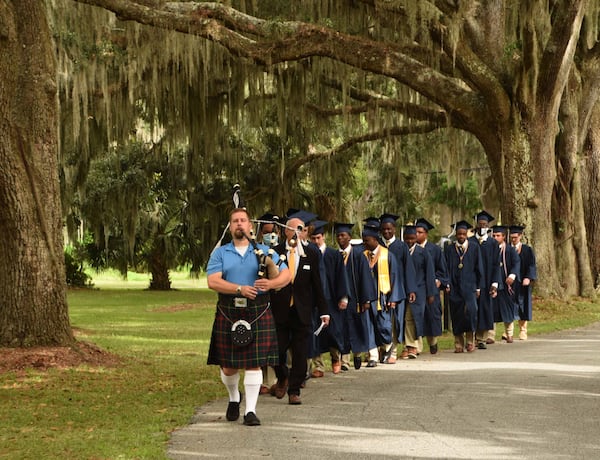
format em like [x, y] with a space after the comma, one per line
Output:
[250, 419]
[372, 363]
[357, 362]
[387, 355]
[482, 346]
[345, 368]
[433, 349]
[233, 410]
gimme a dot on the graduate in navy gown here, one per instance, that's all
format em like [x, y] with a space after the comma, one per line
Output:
[528, 274]
[387, 224]
[465, 270]
[332, 338]
[360, 334]
[506, 303]
[432, 327]
[426, 290]
[490, 256]
[386, 277]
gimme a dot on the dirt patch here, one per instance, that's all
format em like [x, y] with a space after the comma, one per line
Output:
[44, 358]
[178, 307]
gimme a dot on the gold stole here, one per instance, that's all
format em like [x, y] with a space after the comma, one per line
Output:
[383, 272]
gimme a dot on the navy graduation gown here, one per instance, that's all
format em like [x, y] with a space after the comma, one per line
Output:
[380, 314]
[433, 312]
[360, 331]
[490, 257]
[506, 303]
[336, 287]
[528, 270]
[466, 276]
[425, 279]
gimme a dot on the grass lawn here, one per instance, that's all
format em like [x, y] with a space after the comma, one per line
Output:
[128, 411]
[125, 412]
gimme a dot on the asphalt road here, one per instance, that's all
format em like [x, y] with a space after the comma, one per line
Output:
[535, 399]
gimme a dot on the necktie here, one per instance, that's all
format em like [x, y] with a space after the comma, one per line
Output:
[292, 263]
[345, 256]
[372, 256]
[292, 267]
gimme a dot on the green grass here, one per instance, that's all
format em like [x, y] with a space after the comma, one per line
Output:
[112, 279]
[125, 412]
[128, 411]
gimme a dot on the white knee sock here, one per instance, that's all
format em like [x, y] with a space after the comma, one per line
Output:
[231, 383]
[252, 382]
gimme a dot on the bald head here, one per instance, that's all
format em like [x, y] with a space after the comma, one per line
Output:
[291, 227]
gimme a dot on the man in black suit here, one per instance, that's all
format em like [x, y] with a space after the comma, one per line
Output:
[292, 308]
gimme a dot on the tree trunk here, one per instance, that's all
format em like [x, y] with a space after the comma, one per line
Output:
[574, 270]
[33, 306]
[158, 266]
[564, 226]
[590, 166]
[527, 190]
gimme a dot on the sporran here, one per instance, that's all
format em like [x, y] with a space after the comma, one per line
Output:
[241, 333]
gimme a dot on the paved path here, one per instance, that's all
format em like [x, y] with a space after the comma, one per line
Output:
[538, 399]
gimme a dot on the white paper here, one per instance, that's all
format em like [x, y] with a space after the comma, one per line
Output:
[320, 328]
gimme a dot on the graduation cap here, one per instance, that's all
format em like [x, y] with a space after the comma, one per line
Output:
[410, 229]
[388, 218]
[319, 226]
[423, 223]
[369, 230]
[341, 227]
[499, 228]
[483, 215]
[516, 229]
[304, 216]
[461, 224]
[291, 211]
[269, 217]
[372, 222]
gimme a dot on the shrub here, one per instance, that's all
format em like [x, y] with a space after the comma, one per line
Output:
[74, 269]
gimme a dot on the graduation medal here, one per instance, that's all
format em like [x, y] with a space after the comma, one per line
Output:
[461, 255]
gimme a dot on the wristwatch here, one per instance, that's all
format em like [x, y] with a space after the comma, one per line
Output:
[239, 290]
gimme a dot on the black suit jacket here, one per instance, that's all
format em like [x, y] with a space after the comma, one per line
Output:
[306, 288]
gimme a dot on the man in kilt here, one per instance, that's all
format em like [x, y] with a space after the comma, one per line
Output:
[237, 272]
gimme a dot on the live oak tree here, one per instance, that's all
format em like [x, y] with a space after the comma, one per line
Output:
[503, 71]
[497, 70]
[33, 308]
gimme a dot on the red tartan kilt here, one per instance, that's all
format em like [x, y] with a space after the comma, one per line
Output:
[262, 351]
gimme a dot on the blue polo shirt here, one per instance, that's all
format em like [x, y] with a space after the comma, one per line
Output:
[235, 268]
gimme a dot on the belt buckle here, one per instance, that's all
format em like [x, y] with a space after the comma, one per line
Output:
[240, 302]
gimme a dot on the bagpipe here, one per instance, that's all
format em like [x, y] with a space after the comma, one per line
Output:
[267, 268]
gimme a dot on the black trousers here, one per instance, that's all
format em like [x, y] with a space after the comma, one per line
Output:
[292, 335]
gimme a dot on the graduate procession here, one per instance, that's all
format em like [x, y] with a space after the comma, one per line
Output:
[286, 299]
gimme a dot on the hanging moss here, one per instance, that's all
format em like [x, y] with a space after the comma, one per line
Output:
[121, 81]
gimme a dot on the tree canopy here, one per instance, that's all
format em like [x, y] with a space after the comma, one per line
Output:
[496, 70]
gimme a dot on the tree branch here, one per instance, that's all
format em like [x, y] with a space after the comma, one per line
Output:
[374, 101]
[394, 131]
[268, 43]
[558, 52]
